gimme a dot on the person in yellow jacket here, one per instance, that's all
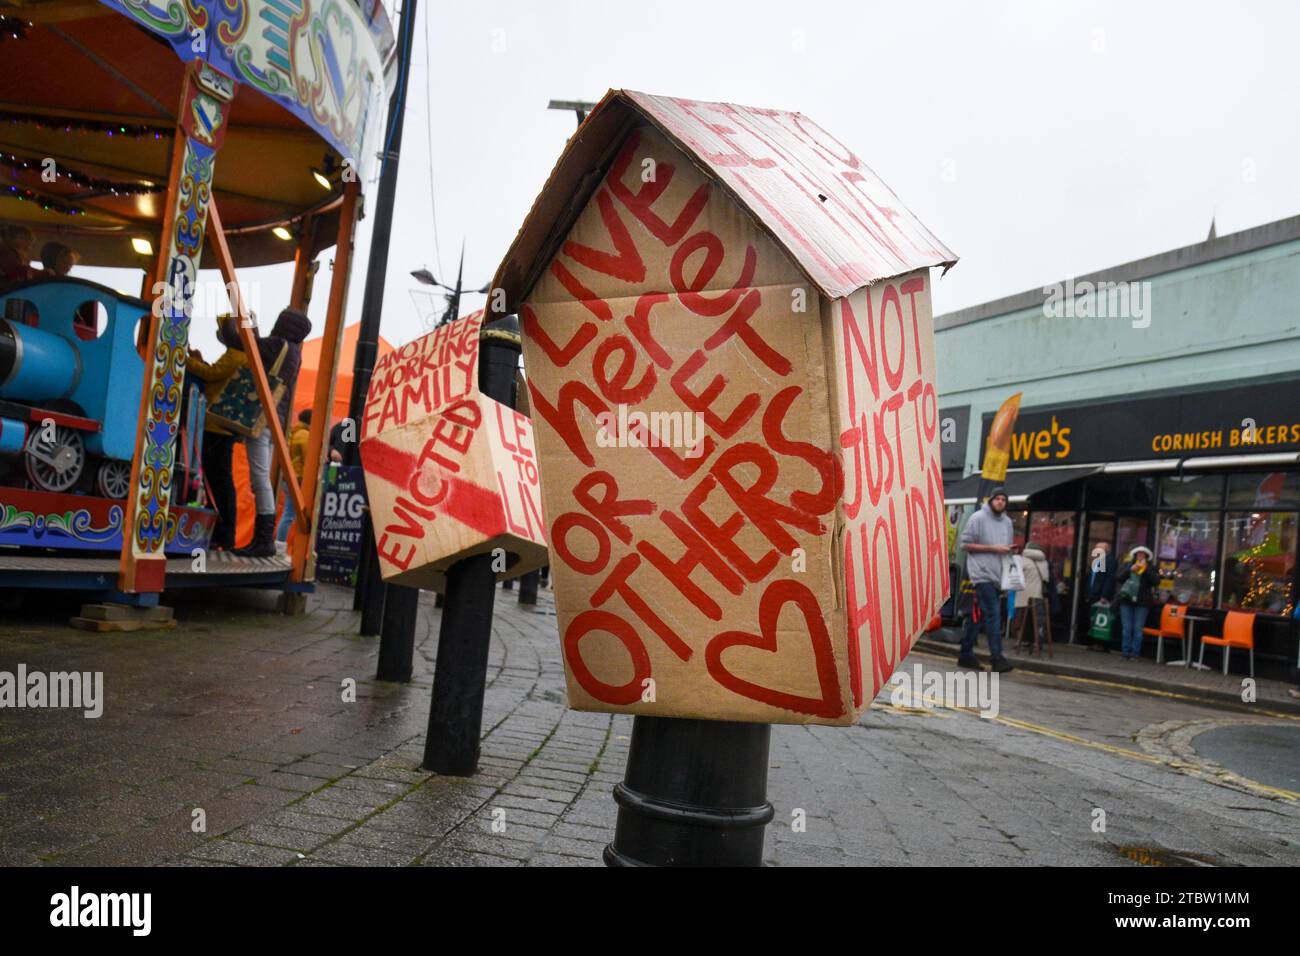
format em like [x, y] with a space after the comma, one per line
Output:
[297, 457]
[219, 444]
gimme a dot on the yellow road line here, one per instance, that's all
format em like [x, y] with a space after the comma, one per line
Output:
[1045, 731]
[1178, 765]
[1082, 741]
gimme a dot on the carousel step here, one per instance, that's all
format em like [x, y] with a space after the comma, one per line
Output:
[125, 612]
[140, 624]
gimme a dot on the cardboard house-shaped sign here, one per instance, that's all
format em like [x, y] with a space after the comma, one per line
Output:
[730, 358]
[449, 472]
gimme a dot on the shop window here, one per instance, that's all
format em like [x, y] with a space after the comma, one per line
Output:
[1130, 533]
[1191, 491]
[1019, 519]
[1053, 532]
[1259, 557]
[1264, 489]
[1186, 553]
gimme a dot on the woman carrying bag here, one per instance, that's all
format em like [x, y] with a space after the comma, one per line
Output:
[1136, 585]
[281, 351]
[1030, 598]
[218, 441]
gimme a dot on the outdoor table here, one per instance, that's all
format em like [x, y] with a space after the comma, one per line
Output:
[1189, 644]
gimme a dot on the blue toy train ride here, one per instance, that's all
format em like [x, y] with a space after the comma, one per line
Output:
[70, 380]
[70, 383]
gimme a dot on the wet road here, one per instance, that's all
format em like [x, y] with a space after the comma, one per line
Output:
[238, 712]
[1270, 754]
[1069, 771]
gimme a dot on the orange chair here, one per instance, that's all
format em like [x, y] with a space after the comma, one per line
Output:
[1173, 625]
[1238, 631]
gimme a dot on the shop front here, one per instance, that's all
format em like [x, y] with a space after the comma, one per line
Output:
[1208, 479]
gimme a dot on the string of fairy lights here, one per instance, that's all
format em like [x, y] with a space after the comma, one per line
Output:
[86, 181]
[14, 28]
[23, 194]
[77, 125]
[18, 163]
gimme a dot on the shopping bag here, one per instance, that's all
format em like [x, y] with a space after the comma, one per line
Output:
[238, 409]
[1101, 622]
[1013, 572]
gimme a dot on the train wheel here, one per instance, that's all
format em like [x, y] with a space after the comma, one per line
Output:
[113, 478]
[55, 457]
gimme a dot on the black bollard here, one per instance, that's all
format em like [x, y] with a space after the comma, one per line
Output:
[456, 712]
[508, 585]
[438, 599]
[367, 567]
[371, 589]
[694, 794]
[372, 613]
[451, 745]
[397, 640]
[528, 588]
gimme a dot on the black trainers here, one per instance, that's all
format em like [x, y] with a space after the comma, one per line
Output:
[969, 660]
[1001, 665]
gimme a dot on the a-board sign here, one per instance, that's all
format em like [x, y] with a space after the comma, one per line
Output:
[342, 520]
[741, 466]
[449, 472]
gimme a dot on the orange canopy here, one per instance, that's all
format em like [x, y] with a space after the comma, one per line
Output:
[303, 397]
[305, 391]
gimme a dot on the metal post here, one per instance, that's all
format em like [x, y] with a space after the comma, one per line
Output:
[528, 587]
[459, 679]
[372, 601]
[694, 794]
[397, 643]
[372, 302]
[362, 564]
[370, 586]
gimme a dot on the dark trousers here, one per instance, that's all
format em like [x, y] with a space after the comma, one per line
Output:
[218, 458]
[988, 600]
[1132, 618]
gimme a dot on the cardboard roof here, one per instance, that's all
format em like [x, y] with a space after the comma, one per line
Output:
[832, 215]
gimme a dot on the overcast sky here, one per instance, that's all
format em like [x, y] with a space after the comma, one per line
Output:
[1037, 139]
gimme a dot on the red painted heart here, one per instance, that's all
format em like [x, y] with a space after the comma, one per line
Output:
[775, 598]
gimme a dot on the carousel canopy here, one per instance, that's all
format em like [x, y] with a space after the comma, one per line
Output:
[89, 94]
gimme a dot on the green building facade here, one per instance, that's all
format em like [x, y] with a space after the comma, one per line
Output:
[1160, 406]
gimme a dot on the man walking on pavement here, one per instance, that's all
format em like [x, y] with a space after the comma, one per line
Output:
[987, 537]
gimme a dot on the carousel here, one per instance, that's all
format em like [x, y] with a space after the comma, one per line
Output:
[158, 135]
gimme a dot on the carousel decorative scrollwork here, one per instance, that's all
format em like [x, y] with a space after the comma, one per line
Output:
[167, 375]
[319, 58]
